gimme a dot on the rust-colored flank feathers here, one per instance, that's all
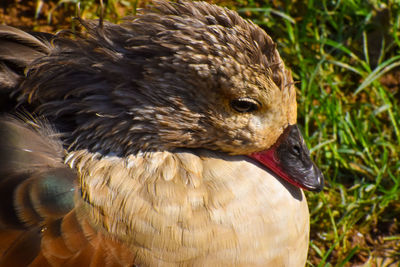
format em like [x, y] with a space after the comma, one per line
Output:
[166, 140]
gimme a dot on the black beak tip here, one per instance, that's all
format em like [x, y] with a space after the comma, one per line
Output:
[317, 183]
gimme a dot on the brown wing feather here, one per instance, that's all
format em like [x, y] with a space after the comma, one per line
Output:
[23, 249]
[17, 50]
[40, 261]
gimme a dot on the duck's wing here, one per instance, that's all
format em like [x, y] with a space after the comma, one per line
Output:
[38, 221]
[17, 50]
[35, 187]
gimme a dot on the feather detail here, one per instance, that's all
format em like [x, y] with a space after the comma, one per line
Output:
[18, 49]
[23, 250]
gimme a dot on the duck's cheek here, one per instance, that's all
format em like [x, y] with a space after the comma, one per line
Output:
[256, 124]
[266, 130]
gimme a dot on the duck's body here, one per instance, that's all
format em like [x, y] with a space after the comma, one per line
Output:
[186, 209]
[160, 120]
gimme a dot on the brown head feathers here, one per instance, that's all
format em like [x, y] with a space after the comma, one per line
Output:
[165, 79]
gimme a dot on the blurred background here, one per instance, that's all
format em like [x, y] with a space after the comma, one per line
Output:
[345, 58]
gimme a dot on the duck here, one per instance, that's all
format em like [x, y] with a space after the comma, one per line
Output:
[169, 139]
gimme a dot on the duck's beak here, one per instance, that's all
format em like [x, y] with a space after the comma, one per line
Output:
[290, 159]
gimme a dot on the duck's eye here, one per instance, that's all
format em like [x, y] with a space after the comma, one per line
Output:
[245, 104]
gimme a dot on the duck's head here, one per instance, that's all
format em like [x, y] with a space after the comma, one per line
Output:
[184, 75]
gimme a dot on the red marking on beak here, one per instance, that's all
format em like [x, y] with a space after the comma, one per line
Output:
[290, 160]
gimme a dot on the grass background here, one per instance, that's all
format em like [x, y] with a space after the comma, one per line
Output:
[345, 56]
